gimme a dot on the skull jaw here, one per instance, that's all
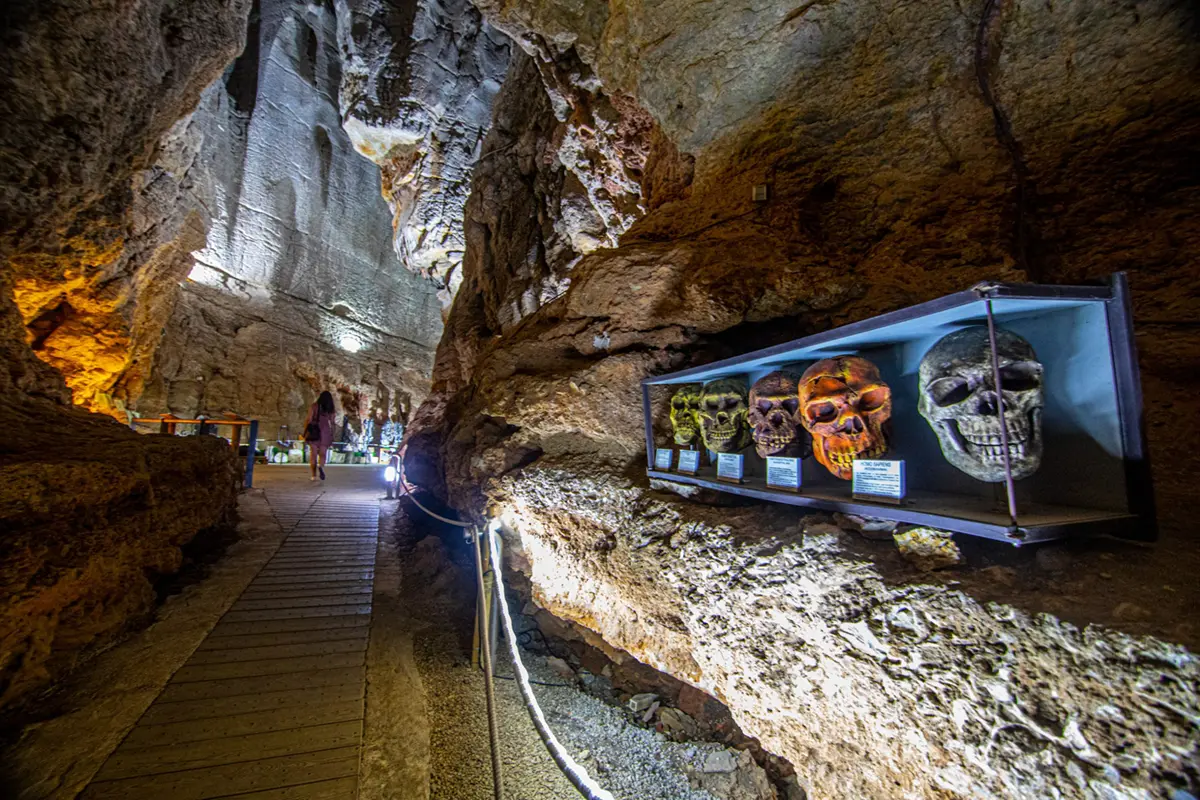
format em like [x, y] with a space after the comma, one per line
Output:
[984, 461]
[686, 433]
[786, 444]
[726, 438]
[838, 453]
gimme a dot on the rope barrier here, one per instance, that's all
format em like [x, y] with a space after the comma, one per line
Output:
[573, 770]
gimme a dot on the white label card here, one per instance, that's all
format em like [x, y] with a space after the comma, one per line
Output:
[731, 466]
[884, 479]
[783, 473]
[689, 461]
[662, 458]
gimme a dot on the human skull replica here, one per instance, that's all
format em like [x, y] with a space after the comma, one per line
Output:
[685, 405]
[723, 414]
[845, 404]
[773, 416]
[959, 399]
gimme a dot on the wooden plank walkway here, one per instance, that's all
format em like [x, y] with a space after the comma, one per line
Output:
[270, 706]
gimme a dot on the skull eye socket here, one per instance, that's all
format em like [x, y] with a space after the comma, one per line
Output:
[712, 404]
[873, 400]
[1023, 376]
[764, 406]
[822, 412]
[949, 391]
[730, 403]
[790, 405]
[679, 403]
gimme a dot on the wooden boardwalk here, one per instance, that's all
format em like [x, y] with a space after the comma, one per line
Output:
[270, 706]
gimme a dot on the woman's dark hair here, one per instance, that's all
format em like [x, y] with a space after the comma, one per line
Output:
[325, 403]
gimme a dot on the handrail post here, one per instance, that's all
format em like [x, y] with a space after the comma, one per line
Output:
[251, 447]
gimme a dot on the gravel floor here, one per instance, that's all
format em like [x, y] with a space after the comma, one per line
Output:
[632, 762]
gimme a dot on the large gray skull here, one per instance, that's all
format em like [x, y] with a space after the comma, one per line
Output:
[960, 401]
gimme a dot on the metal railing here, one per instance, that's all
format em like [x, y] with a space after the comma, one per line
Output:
[169, 424]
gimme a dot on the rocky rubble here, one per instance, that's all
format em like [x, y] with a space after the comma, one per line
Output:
[837, 659]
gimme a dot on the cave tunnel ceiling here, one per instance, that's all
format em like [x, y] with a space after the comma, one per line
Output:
[489, 221]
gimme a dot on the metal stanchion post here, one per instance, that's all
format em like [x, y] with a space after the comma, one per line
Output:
[251, 447]
[486, 653]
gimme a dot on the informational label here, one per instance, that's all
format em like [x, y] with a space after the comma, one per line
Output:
[662, 458]
[879, 480]
[783, 473]
[689, 461]
[731, 467]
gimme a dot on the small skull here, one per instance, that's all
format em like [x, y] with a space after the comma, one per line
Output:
[958, 398]
[722, 414]
[685, 422]
[845, 404]
[773, 416]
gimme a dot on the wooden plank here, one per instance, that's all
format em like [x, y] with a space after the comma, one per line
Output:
[297, 553]
[274, 666]
[322, 562]
[343, 598]
[225, 628]
[338, 789]
[274, 580]
[305, 590]
[307, 570]
[239, 641]
[214, 707]
[134, 762]
[244, 724]
[227, 656]
[209, 782]
[200, 690]
[297, 613]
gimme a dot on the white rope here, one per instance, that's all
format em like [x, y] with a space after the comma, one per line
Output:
[574, 771]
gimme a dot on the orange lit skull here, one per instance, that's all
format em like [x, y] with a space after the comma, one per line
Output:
[845, 404]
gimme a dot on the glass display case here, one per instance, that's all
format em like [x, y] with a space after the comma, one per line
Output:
[1015, 409]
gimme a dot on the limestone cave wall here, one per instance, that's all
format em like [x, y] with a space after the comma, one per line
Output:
[908, 151]
[91, 513]
[296, 288]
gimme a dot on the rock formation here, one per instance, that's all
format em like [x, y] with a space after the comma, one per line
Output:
[418, 82]
[907, 152]
[89, 511]
[296, 289]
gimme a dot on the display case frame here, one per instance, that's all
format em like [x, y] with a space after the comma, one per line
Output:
[1126, 489]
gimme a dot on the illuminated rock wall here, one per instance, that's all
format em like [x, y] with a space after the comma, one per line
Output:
[418, 82]
[297, 289]
[909, 151]
[91, 172]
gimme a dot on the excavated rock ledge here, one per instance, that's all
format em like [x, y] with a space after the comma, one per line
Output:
[869, 679]
[92, 513]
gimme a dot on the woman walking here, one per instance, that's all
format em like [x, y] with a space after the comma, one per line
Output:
[318, 432]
